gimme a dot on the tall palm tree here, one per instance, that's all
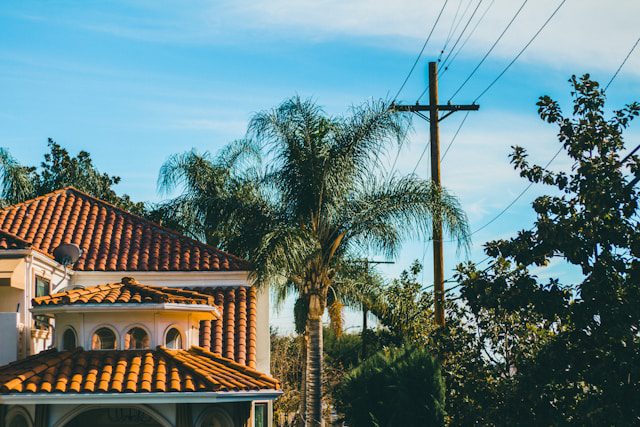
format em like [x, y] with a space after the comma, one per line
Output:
[335, 202]
[323, 200]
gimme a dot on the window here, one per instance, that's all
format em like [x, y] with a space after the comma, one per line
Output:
[260, 412]
[136, 339]
[42, 290]
[19, 420]
[69, 340]
[103, 339]
[173, 339]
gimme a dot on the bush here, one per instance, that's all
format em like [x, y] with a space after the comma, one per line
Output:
[395, 387]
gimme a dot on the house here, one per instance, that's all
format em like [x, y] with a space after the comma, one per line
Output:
[145, 327]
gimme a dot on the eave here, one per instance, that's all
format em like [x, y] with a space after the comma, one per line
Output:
[137, 398]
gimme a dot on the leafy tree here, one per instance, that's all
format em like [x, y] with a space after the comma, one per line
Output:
[322, 202]
[59, 169]
[582, 366]
[395, 387]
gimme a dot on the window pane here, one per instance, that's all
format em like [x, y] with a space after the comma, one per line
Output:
[136, 339]
[69, 340]
[174, 339]
[42, 289]
[260, 415]
[103, 339]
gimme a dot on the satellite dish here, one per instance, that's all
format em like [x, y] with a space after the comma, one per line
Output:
[67, 253]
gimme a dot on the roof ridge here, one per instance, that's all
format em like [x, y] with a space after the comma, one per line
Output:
[72, 292]
[146, 220]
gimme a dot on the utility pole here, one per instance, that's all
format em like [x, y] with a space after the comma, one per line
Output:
[434, 133]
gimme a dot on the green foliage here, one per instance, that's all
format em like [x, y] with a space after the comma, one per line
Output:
[395, 387]
[287, 366]
[59, 169]
[571, 351]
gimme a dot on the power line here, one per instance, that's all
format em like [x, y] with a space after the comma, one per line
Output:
[466, 40]
[503, 211]
[622, 65]
[451, 29]
[495, 43]
[424, 45]
[521, 51]
[475, 10]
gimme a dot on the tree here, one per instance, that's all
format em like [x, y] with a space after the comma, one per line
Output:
[322, 201]
[395, 387]
[586, 369]
[59, 169]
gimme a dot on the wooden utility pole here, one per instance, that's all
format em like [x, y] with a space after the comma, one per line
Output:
[434, 133]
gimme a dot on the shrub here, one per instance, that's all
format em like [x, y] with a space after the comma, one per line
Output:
[395, 387]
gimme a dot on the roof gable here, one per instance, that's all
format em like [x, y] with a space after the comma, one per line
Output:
[111, 239]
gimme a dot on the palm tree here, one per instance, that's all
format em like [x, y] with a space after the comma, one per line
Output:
[323, 201]
[335, 203]
[16, 181]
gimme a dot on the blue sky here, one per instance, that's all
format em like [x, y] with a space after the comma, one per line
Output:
[133, 82]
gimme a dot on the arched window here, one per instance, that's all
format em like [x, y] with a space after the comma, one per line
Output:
[69, 341]
[19, 420]
[136, 339]
[17, 416]
[103, 339]
[173, 339]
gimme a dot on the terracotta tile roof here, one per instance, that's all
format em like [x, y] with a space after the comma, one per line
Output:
[234, 334]
[9, 241]
[111, 239]
[130, 371]
[128, 291]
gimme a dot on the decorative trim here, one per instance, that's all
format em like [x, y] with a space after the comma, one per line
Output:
[138, 398]
[222, 417]
[109, 307]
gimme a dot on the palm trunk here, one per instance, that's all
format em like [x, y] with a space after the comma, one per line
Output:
[314, 363]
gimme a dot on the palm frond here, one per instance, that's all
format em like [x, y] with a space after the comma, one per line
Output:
[190, 169]
[385, 211]
[17, 180]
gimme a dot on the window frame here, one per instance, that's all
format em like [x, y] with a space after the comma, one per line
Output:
[71, 329]
[116, 340]
[129, 329]
[182, 336]
[40, 321]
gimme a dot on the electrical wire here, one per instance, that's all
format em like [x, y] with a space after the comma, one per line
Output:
[424, 45]
[495, 43]
[451, 29]
[622, 64]
[521, 51]
[464, 29]
[503, 211]
[466, 40]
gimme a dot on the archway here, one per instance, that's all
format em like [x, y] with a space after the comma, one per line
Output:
[112, 416]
